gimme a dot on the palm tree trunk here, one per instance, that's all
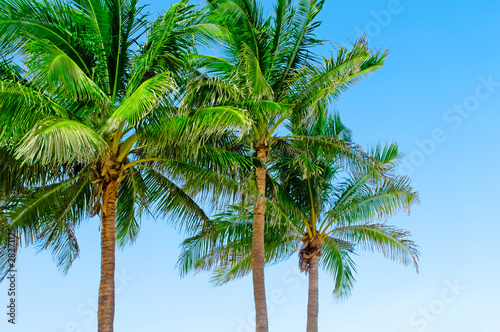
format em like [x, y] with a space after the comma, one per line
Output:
[313, 303]
[258, 258]
[106, 310]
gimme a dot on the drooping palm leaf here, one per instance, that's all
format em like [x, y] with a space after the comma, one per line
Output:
[60, 141]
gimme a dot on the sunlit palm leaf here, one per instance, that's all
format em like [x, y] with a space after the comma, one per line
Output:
[55, 71]
[58, 141]
[142, 101]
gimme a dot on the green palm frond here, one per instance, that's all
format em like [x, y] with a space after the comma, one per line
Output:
[57, 232]
[295, 41]
[170, 39]
[212, 245]
[240, 268]
[212, 65]
[349, 154]
[392, 242]
[198, 127]
[313, 85]
[357, 200]
[54, 71]
[47, 217]
[284, 210]
[58, 141]
[53, 203]
[224, 246]
[169, 199]
[126, 24]
[241, 18]
[132, 202]
[336, 260]
[260, 88]
[22, 106]
[142, 101]
[278, 247]
[25, 21]
[282, 22]
[203, 91]
[63, 245]
[387, 155]
[16, 177]
[199, 180]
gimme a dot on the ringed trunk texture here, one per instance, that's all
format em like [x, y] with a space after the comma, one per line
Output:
[106, 309]
[313, 303]
[258, 258]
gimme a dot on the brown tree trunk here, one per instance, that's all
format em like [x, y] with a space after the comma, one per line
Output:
[313, 303]
[258, 258]
[106, 310]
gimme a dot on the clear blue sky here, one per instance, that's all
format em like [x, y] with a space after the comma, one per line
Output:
[431, 98]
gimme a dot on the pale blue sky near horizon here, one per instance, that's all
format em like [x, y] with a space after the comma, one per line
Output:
[438, 97]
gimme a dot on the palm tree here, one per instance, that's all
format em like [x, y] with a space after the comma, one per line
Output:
[325, 220]
[99, 119]
[267, 70]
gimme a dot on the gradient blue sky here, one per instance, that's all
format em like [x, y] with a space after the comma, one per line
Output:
[431, 98]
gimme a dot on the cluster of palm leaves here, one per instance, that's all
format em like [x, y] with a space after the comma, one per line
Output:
[106, 111]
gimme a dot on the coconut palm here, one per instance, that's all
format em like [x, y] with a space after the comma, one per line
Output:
[324, 218]
[97, 114]
[267, 68]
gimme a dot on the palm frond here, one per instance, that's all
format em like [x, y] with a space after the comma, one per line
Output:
[336, 260]
[170, 40]
[132, 201]
[224, 246]
[170, 200]
[358, 200]
[47, 216]
[392, 242]
[57, 232]
[142, 101]
[296, 41]
[58, 141]
[24, 21]
[22, 106]
[53, 70]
